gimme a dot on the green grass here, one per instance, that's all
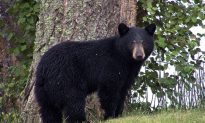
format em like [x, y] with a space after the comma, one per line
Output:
[190, 116]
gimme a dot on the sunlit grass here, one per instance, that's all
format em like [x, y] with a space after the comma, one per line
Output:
[190, 116]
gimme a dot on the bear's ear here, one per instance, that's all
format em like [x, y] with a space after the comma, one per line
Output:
[151, 29]
[122, 29]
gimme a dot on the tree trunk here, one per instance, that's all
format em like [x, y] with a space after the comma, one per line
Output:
[73, 20]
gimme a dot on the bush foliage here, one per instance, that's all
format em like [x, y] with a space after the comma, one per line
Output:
[18, 30]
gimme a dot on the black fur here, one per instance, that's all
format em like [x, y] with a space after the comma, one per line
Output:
[69, 71]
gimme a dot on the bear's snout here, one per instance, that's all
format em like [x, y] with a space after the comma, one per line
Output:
[138, 52]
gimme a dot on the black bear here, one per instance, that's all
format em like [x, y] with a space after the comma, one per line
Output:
[70, 71]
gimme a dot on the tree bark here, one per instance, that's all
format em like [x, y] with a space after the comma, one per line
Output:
[73, 20]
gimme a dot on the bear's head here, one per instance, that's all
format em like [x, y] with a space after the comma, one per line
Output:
[136, 43]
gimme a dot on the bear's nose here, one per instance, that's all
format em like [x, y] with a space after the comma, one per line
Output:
[139, 57]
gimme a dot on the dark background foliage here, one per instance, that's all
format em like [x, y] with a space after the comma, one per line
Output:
[17, 23]
[171, 72]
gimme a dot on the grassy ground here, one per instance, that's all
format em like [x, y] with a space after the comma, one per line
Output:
[191, 116]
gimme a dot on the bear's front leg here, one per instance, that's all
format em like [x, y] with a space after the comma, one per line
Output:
[120, 106]
[108, 99]
[123, 93]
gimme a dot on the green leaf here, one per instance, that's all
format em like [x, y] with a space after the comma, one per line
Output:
[10, 36]
[21, 20]
[149, 4]
[194, 19]
[23, 47]
[188, 69]
[144, 18]
[161, 42]
[16, 51]
[197, 1]
[192, 44]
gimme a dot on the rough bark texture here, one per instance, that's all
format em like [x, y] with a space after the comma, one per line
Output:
[73, 20]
